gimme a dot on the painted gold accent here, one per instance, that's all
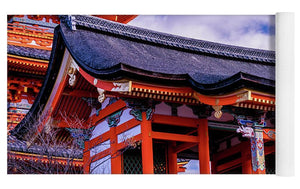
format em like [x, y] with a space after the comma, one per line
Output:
[25, 58]
[218, 113]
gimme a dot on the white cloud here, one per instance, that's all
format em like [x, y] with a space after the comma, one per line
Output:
[248, 31]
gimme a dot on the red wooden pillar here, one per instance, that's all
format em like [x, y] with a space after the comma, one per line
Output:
[172, 158]
[147, 145]
[116, 159]
[203, 147]
[86, 158]
[246, 158]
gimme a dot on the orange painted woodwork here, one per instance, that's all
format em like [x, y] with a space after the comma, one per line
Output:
[184, 146]
[116, 158]
[174, 137]
[229, 165]
[80, 93]
[147, 145]
[100, 155]
[124, 144]
[220, 100]
[269, 134]
[45, 159]
[203, 147]
[246, 157]
[127, 125]
[180, 168]
[261, 98]
[34, 31]
[106, 112]
[269, 149]
[105, 136]
[98, 140]
[172, 158]
[58, 93]
[176, 91]
[86, 161]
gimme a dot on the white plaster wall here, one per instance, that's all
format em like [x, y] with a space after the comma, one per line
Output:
[163, 109]
[125, 116]
[129, 133]
[105, 103]
[101, 166]
[101, 128]
[99, 148]
[184, 111]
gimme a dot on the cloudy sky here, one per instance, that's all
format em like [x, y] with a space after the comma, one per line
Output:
[248, 31]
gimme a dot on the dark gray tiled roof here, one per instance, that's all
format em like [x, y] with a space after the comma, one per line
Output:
[173, 40]
[100, 46]
[28, 52]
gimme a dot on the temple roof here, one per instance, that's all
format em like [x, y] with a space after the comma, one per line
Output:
[112, 51]
[107, 49]
[28, 52]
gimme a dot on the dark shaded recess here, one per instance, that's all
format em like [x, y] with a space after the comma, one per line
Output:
[172, 129]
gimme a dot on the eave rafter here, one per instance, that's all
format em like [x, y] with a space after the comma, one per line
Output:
[186, 95]
[27, 65]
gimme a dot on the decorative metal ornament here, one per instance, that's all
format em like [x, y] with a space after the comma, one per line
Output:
[218, 113]
[71, 22]
[101, 96]
[247, 132]
[114, 119]
[72, 73]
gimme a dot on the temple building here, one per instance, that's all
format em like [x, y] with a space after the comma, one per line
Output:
[111, 98]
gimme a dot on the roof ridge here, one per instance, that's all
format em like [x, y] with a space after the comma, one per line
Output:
[170, 39]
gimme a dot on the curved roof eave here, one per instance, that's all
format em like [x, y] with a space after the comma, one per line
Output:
[36, 109]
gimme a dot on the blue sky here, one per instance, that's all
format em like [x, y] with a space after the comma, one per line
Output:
[255, 31]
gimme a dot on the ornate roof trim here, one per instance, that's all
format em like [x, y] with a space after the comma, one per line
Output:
[171, 40]
[28, 52]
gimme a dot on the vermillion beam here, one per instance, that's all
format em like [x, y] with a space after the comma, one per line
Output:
[246, 158]
[107, 111]
[203, 147]
[229, 165]
[172, 158]
[116, 161]
[86, 162]
[184, 146]
[174, 137]
[147, 145]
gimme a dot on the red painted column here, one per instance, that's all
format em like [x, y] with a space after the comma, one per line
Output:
[116, 157]
[147, 145]
[86, 158]
[246, 158]
[203, 147]
[172, 158]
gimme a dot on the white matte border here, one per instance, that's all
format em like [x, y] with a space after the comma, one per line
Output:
[285, 94]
